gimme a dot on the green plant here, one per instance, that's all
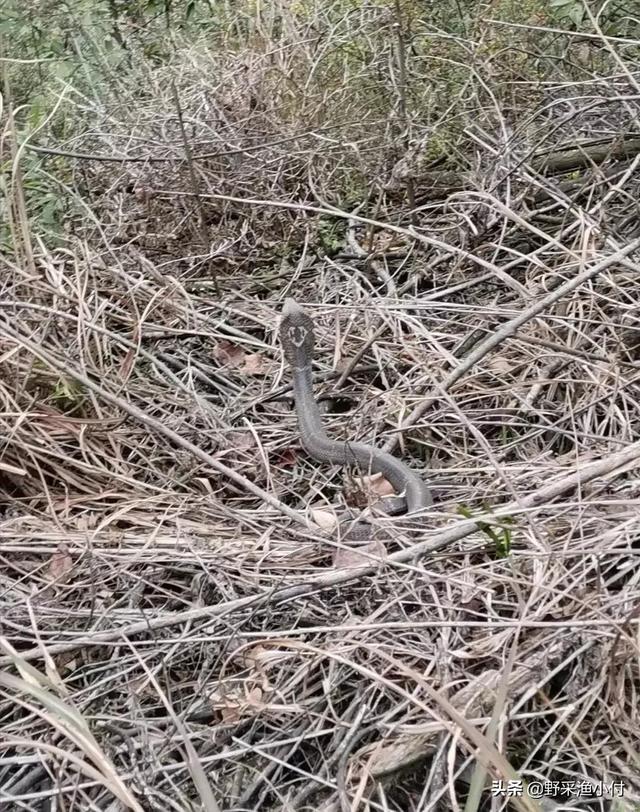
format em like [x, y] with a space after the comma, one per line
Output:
[569, 10]
[331, 234]
[68, 395]
[499, 534]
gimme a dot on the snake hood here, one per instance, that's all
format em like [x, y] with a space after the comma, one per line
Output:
[296, 335]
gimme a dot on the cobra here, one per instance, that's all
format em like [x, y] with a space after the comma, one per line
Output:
[298, 339]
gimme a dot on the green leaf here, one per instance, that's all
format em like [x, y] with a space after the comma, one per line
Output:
[577, 15]
[499, 535]
[49, 212]
[37, 111]
[62, 70]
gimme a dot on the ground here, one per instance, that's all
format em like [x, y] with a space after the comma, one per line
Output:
[451, 193]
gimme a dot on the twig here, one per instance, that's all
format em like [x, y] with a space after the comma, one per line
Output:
[545, 495]
[62, 366]
[195, 184]
[507, 331]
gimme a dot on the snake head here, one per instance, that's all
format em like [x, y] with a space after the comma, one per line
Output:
[296, 335]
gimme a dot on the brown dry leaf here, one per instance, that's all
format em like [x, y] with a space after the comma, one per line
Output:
[501, 366]
[229, 353]
[376, 485]
[87, 521]
[66, 662]
[360, 556]
[287, 457]
[251, 657]
[231, 712]
[254, 364]
[249, 363]
[240, 440]
[235, 704]
[60, 564]
[325, 519]
[204, 483]
[385, 241]
[260, 658]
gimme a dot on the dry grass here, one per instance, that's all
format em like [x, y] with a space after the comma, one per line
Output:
[176, 634]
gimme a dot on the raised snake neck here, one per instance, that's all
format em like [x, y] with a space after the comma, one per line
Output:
[297, 339]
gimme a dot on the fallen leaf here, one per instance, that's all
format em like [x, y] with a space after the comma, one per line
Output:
[60, 564]
[66, 662]
[228, 353]
[87, 521]
[254, 364]
[252, 656]
[234, 704]
[204, 483]
[287, 457]
[385, 241]
[249, 363]
[376, 485]
[501, 366]
[360, 556]
[238, 441]
[325, 519]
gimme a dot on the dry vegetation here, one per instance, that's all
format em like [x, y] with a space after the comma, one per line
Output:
[455, 200]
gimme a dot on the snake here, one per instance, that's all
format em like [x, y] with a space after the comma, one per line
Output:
[297, 337]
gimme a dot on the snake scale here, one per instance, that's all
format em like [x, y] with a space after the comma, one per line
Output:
[298, 338]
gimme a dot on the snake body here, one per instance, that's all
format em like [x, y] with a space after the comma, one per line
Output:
[297, 338]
